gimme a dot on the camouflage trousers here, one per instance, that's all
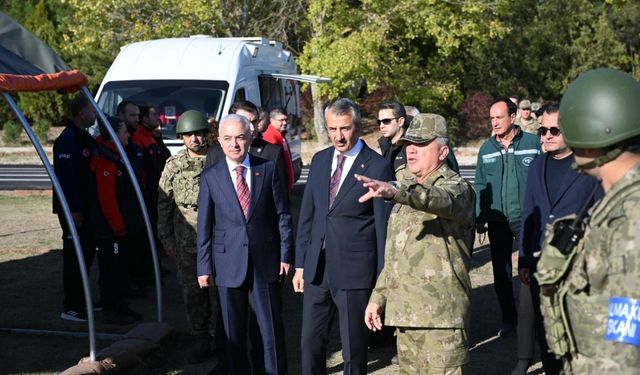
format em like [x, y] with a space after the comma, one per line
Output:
[432, 350]
[201, 303]
[581, 364]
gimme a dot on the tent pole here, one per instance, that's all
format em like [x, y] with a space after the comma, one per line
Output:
[57, 189]
[143, 207]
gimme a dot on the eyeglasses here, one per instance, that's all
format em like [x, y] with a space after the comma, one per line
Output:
[387, 121]
[554, 131]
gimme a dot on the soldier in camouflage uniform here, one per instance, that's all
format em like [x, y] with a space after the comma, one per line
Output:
[177, 214]
[526, 121]
[590, 291]
[428, 254]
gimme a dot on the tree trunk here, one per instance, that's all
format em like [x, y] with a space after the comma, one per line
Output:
[318, 116]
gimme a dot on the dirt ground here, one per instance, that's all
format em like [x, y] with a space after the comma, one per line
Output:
[30, 296]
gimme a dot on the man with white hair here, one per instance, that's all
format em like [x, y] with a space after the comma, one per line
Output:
[242, 197]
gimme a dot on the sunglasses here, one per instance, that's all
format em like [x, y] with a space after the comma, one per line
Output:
[387, 121]
[543, 131]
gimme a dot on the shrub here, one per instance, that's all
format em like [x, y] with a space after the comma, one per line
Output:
[474, 116]
[41, 128]
[11, 134]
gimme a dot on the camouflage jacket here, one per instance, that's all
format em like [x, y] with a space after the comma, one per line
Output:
[178, 201]
[603, 285]
[425, 281]
[530, 126]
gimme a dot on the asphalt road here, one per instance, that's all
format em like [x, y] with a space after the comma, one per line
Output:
[24, 177]
[34, 177]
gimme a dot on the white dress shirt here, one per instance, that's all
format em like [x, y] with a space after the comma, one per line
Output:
[348, 162]
[231, 165]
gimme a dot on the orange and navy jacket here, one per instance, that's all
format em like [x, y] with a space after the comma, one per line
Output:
[115, 209]
[153, 160]
[273, 136]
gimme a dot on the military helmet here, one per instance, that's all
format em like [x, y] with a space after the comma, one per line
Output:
[601, 108]
[191, 121]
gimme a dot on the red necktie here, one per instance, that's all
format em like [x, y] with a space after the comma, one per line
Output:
[334, 185]
[242, 190]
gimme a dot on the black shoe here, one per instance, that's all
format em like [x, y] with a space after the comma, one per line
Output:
[97, 306]
[121, 317]
[74, 315]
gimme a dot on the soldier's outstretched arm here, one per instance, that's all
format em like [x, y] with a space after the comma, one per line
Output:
[377, 188]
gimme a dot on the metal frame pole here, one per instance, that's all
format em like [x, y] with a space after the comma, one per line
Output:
[67, 214]
[136, 187]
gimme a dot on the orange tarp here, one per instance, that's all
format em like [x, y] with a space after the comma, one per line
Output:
[67, 81]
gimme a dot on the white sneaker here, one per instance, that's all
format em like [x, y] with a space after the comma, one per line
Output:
[74, 316]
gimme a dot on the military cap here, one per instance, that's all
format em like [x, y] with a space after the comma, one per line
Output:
[535, 106]
[525, 104]
[425, 127]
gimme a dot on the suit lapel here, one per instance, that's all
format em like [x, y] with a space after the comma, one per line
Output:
[257, 180]
[324, 173]
[359, 166]
[227, 186]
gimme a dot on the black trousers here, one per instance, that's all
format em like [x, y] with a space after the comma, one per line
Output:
[139, 264]
[71, 279]
[320, 303]
[267, 330]
[113, 282]
[501, 238]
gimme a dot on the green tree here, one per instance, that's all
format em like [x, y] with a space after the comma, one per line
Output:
[11, 133]
[43, 106]
[411, 48]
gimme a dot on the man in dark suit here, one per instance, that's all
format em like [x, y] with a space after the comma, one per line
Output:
[340, 242]
[250, 247]
[259, 147]
[554, 190]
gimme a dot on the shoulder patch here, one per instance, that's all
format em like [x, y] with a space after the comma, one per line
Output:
[623, 324]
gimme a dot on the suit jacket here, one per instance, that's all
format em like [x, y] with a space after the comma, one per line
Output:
[226, 238]
[538, 210]
[260, 148]
[354, 232]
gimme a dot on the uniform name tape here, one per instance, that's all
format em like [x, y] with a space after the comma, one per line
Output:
[623, 324]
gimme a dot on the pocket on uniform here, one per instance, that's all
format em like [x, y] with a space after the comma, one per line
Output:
[455, 351]
[449, 358]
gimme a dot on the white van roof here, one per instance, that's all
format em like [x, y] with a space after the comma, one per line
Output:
[199, 57]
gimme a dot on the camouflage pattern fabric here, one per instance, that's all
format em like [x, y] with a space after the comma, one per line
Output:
[606, 269]
[177, 216]
[530, 126]
[428, 254]
[432, 351]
